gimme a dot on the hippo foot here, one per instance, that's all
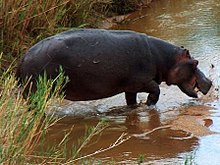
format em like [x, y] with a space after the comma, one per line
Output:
[151, 107]
[152, 99]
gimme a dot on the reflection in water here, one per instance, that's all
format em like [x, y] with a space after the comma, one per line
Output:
[195, 24]
[157, 146]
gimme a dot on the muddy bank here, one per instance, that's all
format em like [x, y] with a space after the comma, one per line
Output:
[121, 17]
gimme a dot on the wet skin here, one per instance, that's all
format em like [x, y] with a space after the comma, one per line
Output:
[103, 63]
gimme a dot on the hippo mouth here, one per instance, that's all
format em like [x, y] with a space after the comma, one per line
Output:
[189, 88]
[198, 81]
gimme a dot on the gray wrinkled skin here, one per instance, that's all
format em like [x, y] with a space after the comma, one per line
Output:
[103, 63]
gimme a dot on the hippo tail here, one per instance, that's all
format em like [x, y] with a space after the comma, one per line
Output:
[18, 72]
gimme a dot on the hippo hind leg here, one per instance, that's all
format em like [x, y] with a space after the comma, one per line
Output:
[130, 98]
[152, 99]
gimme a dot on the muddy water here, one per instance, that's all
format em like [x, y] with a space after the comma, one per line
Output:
[179, 127]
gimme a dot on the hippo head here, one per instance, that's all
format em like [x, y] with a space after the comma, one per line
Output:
[186, 75]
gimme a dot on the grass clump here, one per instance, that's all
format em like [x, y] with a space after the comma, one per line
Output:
[190, 159]
[124, 6]
[21, 130]
[25, 122]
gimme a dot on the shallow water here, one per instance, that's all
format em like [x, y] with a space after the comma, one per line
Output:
[188, 129]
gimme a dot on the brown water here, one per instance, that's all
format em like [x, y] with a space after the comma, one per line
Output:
[185, 127]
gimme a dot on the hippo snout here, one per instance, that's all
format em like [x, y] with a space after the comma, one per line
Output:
[202, 83]
[198, 80]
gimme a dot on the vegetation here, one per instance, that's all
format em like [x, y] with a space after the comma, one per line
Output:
[190, 159]
[24, 22]
[20, 129]
[24, 123]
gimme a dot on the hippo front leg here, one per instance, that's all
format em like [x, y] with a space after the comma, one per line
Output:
[151, 87]
[154, 93]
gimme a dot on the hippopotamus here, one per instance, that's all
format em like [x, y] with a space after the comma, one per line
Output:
[101, 63]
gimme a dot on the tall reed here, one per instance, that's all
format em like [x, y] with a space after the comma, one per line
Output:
[24, 22]
[21, 129]
[25, 122]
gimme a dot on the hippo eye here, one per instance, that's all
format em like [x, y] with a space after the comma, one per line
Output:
[191, 65]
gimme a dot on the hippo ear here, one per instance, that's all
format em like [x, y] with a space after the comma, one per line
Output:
[195, 64]
[184, 55]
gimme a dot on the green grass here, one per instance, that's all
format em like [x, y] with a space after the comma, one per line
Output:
[21, 130]
[190, 159]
